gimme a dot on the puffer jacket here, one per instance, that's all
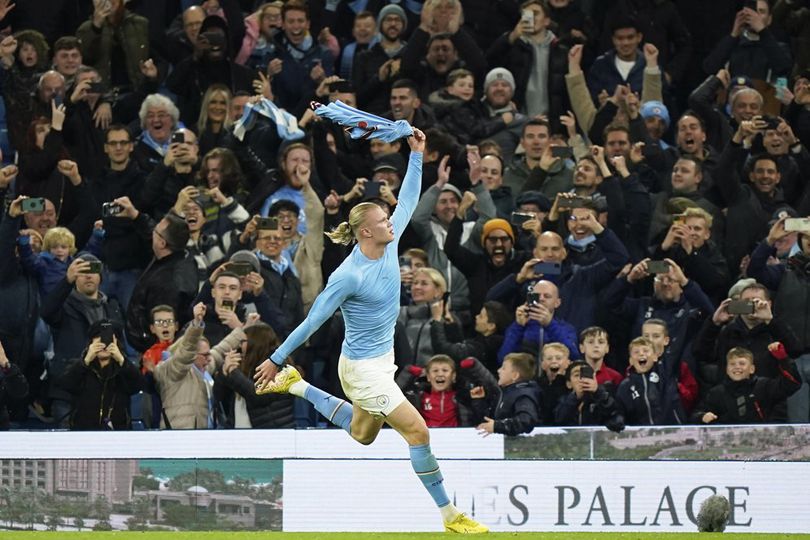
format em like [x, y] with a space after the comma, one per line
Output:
[649, 399]
[268, 411]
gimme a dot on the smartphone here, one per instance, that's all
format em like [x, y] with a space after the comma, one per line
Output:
[94, 268]
[228, 304]
[446, 298]
[750, 4]
[527, 17]
[109, 209]
[532, 298]
[58, 100]
[371, 190]
[657, 267]
[404, 262]
[772, 122]
[797, 224]
[563, 152]
[241, 269]
[567, 203]
[96, 88]
[519, 218]
[679, 219]
[178, 137]
[740, 307]
[548, 268]
[267, 224]
[33, 204]
[106, 334]
[586, 372]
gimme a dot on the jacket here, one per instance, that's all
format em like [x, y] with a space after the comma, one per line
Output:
[284, 291]
[750, 401]
[293, 88]
[132, 34]
[531, 338]
[516, 410]
[518, 58]
[706, 265]
[603, 75]
[309, 250]
[160, 189]
[182, 388]
[372, 93]
[596, 409]
[551, 392]
[649, 399]
[439, 409]
[519, 178]
[416, 319]
[70, 315]
[13, 387]
[171, 280]
[268, 411]
[764, 59]
[101, 394]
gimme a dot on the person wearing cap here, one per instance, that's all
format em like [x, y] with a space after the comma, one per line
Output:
[209, 64]
[376, 68]
[755, 331]
[112, 30]
[483, 270]
[432, 218]
[656, 119]
[751, 48]
[72, 306]
[101, 381]
[537, 60]
[538, 206]
[439, 46]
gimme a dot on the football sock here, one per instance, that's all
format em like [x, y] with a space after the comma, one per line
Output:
[333, 409]
[427, 469]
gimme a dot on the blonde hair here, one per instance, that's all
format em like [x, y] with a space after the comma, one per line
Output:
[59, 236]
[214, 89]
[640, 342]
[699, 213]
[435, 276]
[347, 231]
[557, 347]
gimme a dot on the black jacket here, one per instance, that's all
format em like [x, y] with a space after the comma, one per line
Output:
[551, 393]
[13, 387]
[284, 291]
[596, 409]
[70, 314]
[752, 400]
[160, 190]
[516, 410]
[372, 93]
[447, 339]
[101, 394]
[649, 399]
[268, 411]
[171, 280]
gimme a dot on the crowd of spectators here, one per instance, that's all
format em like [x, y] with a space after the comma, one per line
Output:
[613, 224]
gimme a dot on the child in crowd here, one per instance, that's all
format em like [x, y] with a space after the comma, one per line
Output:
[594, 346]
[587, 403]
[490, 324]
[164, 327]
[515, 408]
[50, 265]
[657, 332]
[648, 396]
[552, 380]
[744, 398]
[432, 391]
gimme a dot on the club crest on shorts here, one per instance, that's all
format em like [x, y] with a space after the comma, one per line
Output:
[382, 401]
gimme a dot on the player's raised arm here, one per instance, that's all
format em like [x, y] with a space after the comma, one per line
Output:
[411, 185]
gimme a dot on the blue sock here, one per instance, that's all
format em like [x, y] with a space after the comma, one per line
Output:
[333, 409]
[427, 469]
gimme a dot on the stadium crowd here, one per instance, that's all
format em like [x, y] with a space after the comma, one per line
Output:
[612, 228]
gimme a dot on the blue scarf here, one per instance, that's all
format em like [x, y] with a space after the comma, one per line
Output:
[580, 244]
[299, 52]
[279, 266]
[286, 124]
[347, 57]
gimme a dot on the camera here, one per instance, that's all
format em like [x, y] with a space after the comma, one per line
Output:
[740, 307]
[519, 218]
[657, 267]
[404, 262]
[95, 88]
[106, 333]
[241, 269]
[527, 17]
[110, 209]
[568, 203]
[267, 224]
[797, 225]
[33, 204]
[94, 268]
[771, 122]
[548, 268]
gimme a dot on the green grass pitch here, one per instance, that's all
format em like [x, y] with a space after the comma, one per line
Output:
[382, 536]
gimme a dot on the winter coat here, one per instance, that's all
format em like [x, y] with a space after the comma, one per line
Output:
[551, 392]
[557, 179]
[604, 75]
[764, 59]
[516, 410]
[484, 348]
[417, 321]
[531, 337]
[372, 93]
[13, 387]
[649, 399]
[435, 406]
[293, 88]
[284, 291]
[268, 411]
[593, 409]
[98, 46]
[101, 395]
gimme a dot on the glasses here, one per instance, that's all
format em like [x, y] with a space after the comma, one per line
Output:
[164, 323]
[269, 239]
[498, 239]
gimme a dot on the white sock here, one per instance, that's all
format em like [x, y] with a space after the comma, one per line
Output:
[449, 512]
[298, 388]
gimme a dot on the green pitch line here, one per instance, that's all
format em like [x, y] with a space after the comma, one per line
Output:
[4, 535]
